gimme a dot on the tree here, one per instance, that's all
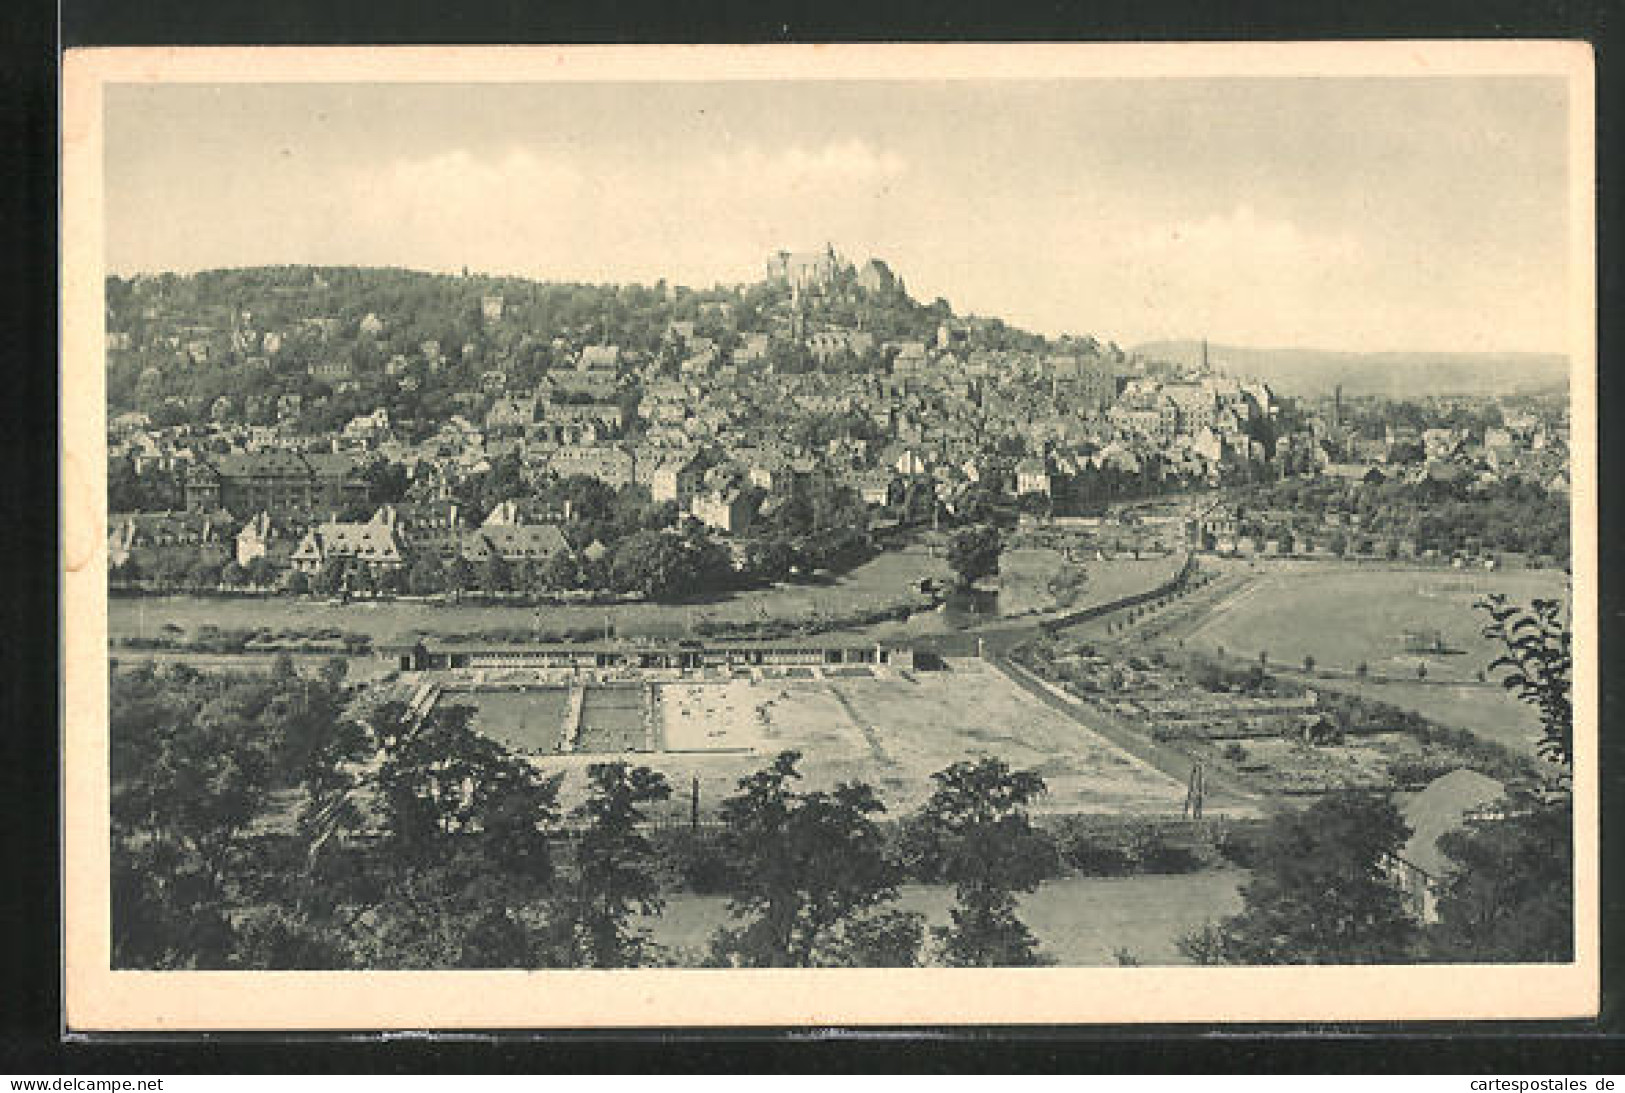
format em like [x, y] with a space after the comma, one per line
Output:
[882, 939]
[615, 876]
[649, 562]
[427, 576]
[464, 852]
[561, 572]
[974, 553]
[809, 866]
[329, 578]
[204, 573]
[662, 564]
[190, 768]
[975, 833]
[1538, 665]
[386, 482]
[771, 558]
[126, 572]
[1320, 891]
[1509, 896]
[125, 492]
[459, 575]
[495, 576]
[437, 774]
[392, 581]
[260, 573]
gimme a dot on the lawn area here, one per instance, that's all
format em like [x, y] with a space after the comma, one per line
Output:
[887, 579]
[523, 721]
[1079, 921]
[1042, 580]
[1345, 614]
[1491, 712]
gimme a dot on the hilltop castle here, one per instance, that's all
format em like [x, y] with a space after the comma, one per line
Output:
[819, 271]
[807, 270]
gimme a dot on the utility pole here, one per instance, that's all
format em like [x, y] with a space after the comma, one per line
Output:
[1195, 792]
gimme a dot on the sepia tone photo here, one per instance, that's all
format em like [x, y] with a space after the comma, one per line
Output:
[867, 535]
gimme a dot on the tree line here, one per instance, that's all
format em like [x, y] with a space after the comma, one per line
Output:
[267, 822]
[1512, 516]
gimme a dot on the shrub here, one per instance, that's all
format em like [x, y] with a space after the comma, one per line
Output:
[1153, 853]
[1096, 856]
[1417, 772]
[704, 868]
[1238, 846]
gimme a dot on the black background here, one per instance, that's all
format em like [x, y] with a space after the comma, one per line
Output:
[31, 1040]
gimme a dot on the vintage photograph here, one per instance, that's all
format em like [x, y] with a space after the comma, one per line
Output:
[1016, 520]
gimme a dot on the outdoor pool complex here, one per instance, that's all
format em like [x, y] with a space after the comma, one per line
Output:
[884, 724]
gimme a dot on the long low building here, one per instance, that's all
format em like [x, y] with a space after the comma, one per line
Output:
[681, 656]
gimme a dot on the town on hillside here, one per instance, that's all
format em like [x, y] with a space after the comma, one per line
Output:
[815, 509]
[383, 432]
[463, 621]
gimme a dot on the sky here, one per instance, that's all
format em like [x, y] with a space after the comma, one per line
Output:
[1381, 214]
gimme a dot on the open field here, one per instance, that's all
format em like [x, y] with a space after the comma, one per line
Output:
[891, 729]
[1026, 576]
[916, 730]
[1344, 614]
[1079, 921]
[1029, 577]
[1491, 712]
[889, 578]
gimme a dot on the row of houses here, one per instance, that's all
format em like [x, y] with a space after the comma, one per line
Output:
[392, 537]
[389, 539]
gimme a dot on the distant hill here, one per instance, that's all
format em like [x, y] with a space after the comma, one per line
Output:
[1311, 372]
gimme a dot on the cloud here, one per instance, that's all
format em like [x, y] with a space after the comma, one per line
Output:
[1245, 238]
[1242, 275]
[454, 208]
[844, 164]
[557, 214]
